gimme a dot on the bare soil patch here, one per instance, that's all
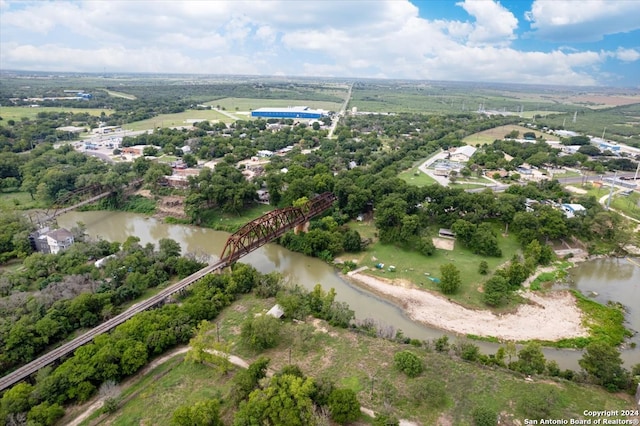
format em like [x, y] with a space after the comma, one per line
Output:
[551, 317]
[443, 243]
[575, 190]
[172, 206]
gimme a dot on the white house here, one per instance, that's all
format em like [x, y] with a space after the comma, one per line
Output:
[59, 240]
[462, 154]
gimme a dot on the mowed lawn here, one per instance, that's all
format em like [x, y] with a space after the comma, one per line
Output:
[490, 135]
[417, 268]
[17, 112]
[248, 104]
[414, 176]
[178, 119]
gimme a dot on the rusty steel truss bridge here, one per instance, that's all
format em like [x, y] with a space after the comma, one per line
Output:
[250, 237]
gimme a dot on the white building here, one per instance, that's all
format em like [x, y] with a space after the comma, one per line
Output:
[47, 241]
[570, 210]
[462, 154]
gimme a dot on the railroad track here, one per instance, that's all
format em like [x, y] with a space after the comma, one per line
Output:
[48, 358]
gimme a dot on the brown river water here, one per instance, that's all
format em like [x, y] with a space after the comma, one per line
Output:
[611, 278]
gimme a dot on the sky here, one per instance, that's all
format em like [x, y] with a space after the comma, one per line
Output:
[560, 42]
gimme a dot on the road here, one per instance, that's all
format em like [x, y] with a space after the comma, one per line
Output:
[340, 113]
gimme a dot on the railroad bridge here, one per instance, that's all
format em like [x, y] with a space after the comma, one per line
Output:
[247, 239]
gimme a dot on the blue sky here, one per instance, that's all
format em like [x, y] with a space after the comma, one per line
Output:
[564, 42]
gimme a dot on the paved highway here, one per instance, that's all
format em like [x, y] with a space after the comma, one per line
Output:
[340, 113]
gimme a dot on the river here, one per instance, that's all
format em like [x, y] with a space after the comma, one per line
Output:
[306, 271]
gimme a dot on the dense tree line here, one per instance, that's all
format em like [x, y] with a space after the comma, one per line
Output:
[49, 174]
[71, 293]
[124, 351]
[23, 135]
[14, 237]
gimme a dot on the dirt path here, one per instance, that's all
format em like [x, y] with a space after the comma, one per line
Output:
[90, 407]
[551, 317]
[96, 403]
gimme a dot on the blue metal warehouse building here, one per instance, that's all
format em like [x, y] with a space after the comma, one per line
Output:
[292, 112]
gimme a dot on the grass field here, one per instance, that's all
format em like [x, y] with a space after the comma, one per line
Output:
[490, 135]
[120, 94]
[179, 119]
[414, 267]
[18, 201]
[16, 113]
[231, 222]
[248, 104]
[415, 177]
[629, 205]
[365, 365]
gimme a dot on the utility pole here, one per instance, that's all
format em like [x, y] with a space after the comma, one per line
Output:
[635, 178]
[615, 175]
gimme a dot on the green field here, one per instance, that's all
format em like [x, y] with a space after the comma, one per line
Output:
[417, 269]
[231, 222]
[18, 201]
[120, 94]
[365, 365]
[415, 177]
[178, 119]
[248, 104]
[629, 205]
[490, 135]
[16, 113]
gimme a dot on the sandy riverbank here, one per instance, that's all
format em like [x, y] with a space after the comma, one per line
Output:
[551, 317]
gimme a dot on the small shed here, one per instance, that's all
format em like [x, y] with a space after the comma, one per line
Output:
[276, 311]
[446, 233]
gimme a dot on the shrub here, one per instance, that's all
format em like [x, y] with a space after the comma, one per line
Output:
[408, 363]
[344, 405]
[540, 402]
[442, 344]
[484, 416]
[430, 392]
[261, 332]
[483, 268]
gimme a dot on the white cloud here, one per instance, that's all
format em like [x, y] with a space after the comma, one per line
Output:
[376, 38]
[586, 20]
[627, 55]
[494, 24]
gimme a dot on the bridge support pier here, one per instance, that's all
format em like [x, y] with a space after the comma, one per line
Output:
[303, 227]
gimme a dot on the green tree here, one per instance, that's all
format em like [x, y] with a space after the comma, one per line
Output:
[261, 332]
[16, 399]
[202, 413]
[483, 267]
[286, 401]
[245, 381]
[45, 414]
[531, 359]
[449, 278]
[409, 363]
[603, 364]
[496, 291]
[344, 406]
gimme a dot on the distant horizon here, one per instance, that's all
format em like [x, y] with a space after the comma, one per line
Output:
[591, 43]
[305, 77]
